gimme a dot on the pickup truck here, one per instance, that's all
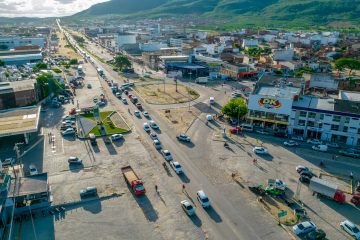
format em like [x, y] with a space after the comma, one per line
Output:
[133, 180]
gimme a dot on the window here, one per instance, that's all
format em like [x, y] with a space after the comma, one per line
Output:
[334, 127]
[301, 122]
[336, 118]
[322, 116]
[310, 123]
[345, 129]
[303, 114]
[347, 120]
[312, 115]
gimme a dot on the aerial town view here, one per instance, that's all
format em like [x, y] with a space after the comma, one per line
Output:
[179, 120]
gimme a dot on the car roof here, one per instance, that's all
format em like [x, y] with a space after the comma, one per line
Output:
[166, 151]
[186, 202]
[349, 223]
[307, 224]
[202, 194]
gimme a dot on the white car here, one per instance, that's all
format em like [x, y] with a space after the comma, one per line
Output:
[260, 150]
[301, 168]
[137, 113]
[153, 125]
[177, 167]
[203, 199]
[351, 229]
[157, 144]
[116, 137]
[304, 227]
[291, 143]
[69, 131]
[314, 141]
[74, 160]
[188, 208]
[146, 127]
[320, 148]
[146, 114]
[33, 170]
[70, 117]
[167, 155]
[68, 122]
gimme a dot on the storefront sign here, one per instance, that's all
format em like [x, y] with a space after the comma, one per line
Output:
[269, 103]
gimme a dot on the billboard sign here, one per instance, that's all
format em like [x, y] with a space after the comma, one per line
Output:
[270, 104]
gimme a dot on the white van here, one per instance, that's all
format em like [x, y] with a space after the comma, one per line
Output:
[247, 127]
[212, 100]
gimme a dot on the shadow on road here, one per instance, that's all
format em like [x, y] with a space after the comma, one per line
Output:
[93, 206]
[118, 143]
[76, 167]
[111, 148]
[196, 220]
[347, 210]
[184, 178]
[213, 214]
[146, 206]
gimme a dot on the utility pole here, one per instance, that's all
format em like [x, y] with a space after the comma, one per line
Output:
[175, 79]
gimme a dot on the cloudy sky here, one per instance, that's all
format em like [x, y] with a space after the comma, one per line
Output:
[43, 8]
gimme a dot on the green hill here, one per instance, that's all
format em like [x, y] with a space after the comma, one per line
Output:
[289, 13]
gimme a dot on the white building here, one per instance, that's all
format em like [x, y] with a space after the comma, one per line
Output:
[152, 46]
[175, 42]
[248, 43]
[283, 54]
[123, 39]
[13, 42]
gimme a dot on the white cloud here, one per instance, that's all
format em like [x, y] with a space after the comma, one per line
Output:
[43, 8]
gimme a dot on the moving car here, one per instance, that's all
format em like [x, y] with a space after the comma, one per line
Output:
[33, 170]
[291, 143]
[177, 167]
[183, 137]
[69, 117]
[167, 155]
[146, 127]
[203, 199]
[301, 168]
[137, 114]
[350, 153]
[74, 160]
[304, 227]
[69, 131]
[146, 114]
[117, 136]
[320, 148]
[351, 229]
[153, 125]
[260, 150]
[157, 144]
[188, 208]
[89, 191]
[314, 141]
[316, 235]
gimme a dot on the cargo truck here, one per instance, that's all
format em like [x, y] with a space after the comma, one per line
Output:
[133, 180]
[327, 189]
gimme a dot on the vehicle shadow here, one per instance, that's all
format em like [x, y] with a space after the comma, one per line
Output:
[95, 148]
[196, 220]
[158, 131]
[146, 206]
[188, 144]
[213, 214]
[111, 148]
[118, 143]
[347, 210]
[93, 206]
[184, 178]
[267, 157]
[76, 167]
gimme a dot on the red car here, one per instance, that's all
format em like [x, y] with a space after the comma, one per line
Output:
[139, 106]
[72, 111]
[236, 130]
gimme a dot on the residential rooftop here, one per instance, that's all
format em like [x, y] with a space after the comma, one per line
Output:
[281, 92]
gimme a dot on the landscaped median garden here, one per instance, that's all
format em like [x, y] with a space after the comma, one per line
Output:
[105, 124]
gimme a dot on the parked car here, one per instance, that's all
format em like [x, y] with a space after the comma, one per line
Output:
[188, 208]
[69, 131]
[33, 170]
[233, 121]
[298, 138]
[167, 155]
[137, 114]
[177, 167]
[89, 191]
[117, 136]
[332, 145]
[314, 141]
[74, 160]
[153, 125]
[68, 122]
[183, 137]
[320, 148]
[157, 144]
[118, 95]
[260, 150]
[154, 136]
[89, 85]
[350, 153]
[203, 199]
[124, 101]
[316, 235]
[351, 229]
[301, 168]
[139, 106]
[146, 114]
[304, 227]
[262, 132]
[146, 127]
[69, 117]
[291, 143]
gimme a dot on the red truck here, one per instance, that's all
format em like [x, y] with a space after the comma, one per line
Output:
[133, 180]
[327, 189]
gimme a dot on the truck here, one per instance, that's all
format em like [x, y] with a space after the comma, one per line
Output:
[133, 180]
[201, 80]
[327, 189]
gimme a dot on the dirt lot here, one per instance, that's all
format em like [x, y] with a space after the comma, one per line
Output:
[180, 118]
[154, 93]
[65, 51]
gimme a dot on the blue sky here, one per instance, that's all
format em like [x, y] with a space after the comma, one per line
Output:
[43, 8]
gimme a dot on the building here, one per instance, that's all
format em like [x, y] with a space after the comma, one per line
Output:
[17, 94]
[108, 40]
[269, 108]
[21, 55]
[5, 214]
[249, 43]
[175, 42]
[13, 42]
[238, 71]
[124, 39]
[328, 119]
[325, 81]
[152, 46]
[213, 64]
[283, 54]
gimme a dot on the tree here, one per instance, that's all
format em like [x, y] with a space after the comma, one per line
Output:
[235, 108]
[2, 63]
[73, 61]
[122, 62]
[48, 84]
[347, 63]
[39, 66]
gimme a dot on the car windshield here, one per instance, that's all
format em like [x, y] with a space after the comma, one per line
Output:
[301, 227]
[205, 199]
[177, 166]
[140, 187]
[189, 207]
[167, 154]
[355, 230]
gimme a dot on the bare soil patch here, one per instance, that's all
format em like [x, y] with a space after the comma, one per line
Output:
[180, 119]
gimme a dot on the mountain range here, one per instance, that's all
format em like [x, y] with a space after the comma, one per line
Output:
[290, 13]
